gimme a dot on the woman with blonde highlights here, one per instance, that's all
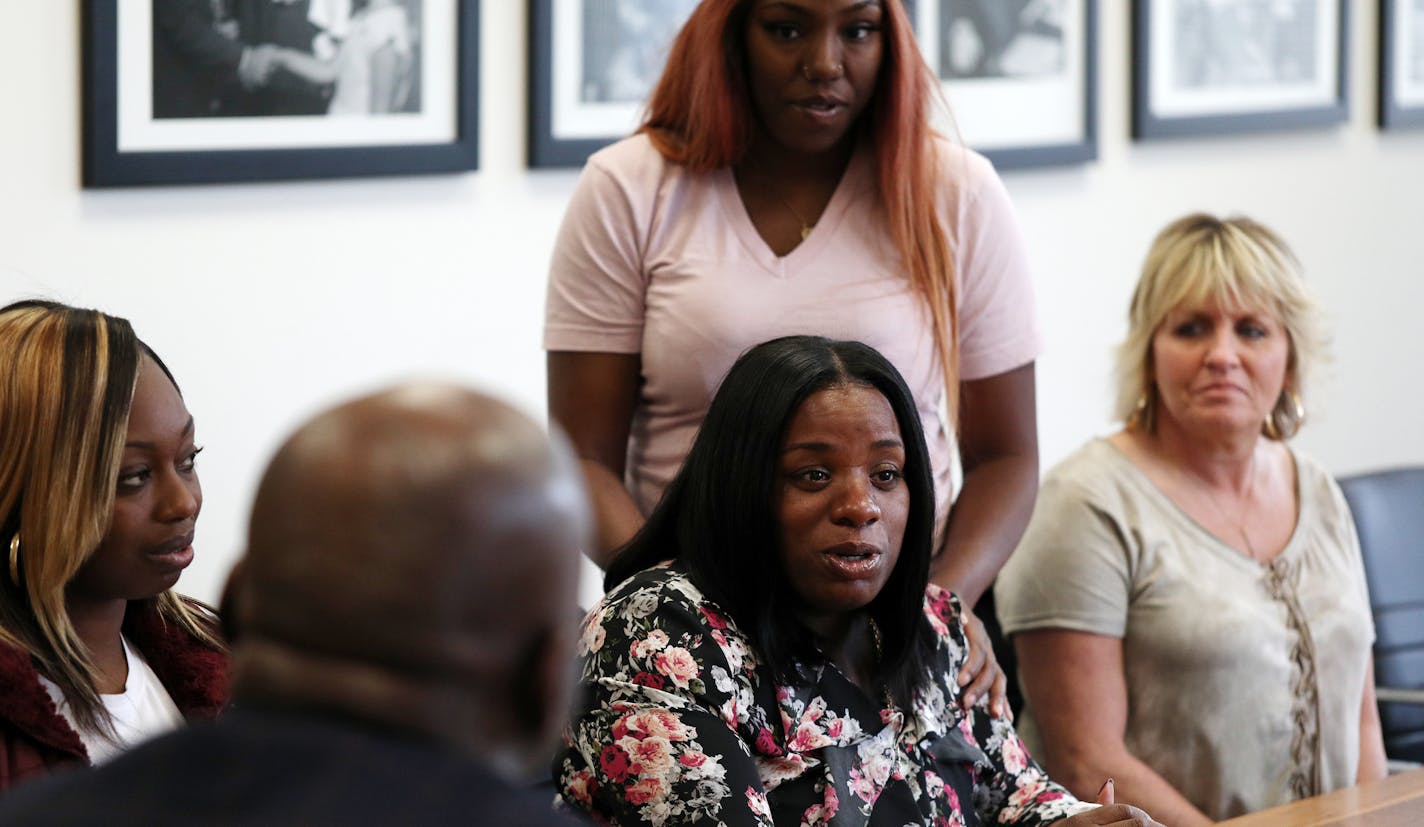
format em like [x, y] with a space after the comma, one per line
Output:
[786, 180]
[1188, 603]
[98, 499]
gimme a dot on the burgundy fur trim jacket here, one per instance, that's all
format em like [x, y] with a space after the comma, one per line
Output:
[35, 738]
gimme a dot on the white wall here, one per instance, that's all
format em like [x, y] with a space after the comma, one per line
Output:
[271, 300]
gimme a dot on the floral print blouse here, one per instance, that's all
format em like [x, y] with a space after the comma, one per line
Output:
[678, 724]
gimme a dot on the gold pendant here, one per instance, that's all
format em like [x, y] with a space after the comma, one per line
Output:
[806, 230]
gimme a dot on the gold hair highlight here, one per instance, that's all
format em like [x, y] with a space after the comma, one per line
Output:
[65, 395]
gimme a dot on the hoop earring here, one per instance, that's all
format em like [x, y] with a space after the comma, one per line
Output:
[1283, 423]
[1141, 415]
[1297, 414]
[15, 559]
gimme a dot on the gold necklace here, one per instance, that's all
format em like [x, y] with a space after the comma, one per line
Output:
[1245, 505]
[875, 639]
[806, 226]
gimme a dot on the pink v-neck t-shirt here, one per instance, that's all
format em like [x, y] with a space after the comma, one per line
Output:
[654, 260]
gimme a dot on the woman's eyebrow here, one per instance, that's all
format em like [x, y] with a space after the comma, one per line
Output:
[149, 446]
[826, 446]
[806, 446]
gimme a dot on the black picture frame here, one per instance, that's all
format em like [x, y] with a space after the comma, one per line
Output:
[545, 148]
[1039, 141]
[564, 131]
[1401, 98]
[105, 164]
[1176, 113]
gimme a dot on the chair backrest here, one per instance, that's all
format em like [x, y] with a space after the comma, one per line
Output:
[1388, 507]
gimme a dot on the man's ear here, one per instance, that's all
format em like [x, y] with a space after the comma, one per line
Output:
[543, 684]
[227, 604]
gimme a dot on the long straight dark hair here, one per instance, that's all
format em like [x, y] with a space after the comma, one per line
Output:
[718, 518]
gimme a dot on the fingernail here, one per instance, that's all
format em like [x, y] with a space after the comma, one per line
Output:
[1105, 785]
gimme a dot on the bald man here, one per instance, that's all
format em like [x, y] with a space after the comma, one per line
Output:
[403, 634]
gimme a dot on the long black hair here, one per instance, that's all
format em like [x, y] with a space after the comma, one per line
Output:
[718, 520]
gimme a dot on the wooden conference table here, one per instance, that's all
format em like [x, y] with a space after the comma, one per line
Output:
[1397, 801]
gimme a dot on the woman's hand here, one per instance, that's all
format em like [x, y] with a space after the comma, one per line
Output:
[981, 672]
[1114, 814]
[1109, 813]
[257, 65]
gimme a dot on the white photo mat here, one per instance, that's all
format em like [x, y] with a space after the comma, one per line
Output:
[1009, 112]
[138, 131]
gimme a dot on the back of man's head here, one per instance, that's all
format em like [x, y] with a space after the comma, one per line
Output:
[412, 563]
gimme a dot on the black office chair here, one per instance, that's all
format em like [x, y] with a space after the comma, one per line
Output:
[1388, 507]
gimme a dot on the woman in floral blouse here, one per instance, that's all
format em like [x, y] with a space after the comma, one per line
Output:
[791, 664]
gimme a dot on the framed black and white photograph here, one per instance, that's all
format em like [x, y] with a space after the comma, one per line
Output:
[1204, 67]
[211, 91]
[592, 65]
[1020, 75]
[1401, 74]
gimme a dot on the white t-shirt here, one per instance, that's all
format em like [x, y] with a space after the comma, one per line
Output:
[654, 260]
[142, 711]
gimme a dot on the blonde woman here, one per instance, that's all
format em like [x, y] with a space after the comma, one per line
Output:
[99, 498]
[1188, 602]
